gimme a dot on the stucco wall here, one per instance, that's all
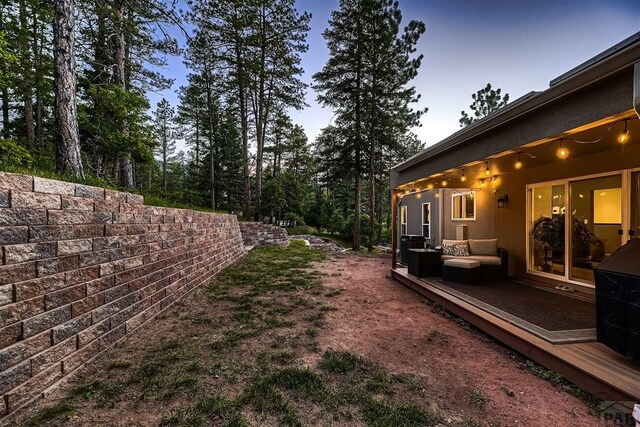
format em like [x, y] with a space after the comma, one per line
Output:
[414, 214]
[82, 267]
[483, 227]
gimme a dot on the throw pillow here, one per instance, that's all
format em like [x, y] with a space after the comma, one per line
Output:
[448, 249]
[460, 250]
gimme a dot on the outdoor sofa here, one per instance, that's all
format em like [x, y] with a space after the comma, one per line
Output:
[473, 260]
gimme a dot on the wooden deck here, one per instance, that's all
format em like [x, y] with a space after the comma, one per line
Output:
[592, 366]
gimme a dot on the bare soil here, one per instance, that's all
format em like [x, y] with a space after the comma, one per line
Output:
[204, 346]
[384, 321]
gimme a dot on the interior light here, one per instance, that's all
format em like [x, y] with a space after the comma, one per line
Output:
[482, 183]
[487, 172]
[418, 195]
[437, 194]
[518, 163]
[463, 178]
[624, 136]
[444, 180]
[429, 186]
[581, 196]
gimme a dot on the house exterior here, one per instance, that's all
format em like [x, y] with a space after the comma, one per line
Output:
[555, 177]
[567, 155]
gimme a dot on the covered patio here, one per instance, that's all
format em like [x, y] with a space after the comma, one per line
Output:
[567, 155]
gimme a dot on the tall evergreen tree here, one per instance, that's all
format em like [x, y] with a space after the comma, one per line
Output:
[165, 132]
[485, 101]
[365, 80]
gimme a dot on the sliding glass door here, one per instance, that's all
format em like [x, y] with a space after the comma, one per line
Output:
[574, 224]
[546, 222]
[596, 223]
[634, 225]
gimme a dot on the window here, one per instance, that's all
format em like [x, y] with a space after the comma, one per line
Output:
[403, 220]
[426, 220]
[463, 206]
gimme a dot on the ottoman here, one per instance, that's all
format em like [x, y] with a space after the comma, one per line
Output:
[461, 270]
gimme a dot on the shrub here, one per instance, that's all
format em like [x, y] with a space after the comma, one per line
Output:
[11, 154]
[291, 216]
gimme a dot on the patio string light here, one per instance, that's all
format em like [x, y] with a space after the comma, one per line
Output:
[562, 152]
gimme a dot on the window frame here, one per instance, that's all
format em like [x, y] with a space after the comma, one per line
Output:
[428, 223]
[464, 206]
[403, 224]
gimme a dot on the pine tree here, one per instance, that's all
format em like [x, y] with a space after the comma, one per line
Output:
[365, 80]
[166, 133]
[485, 101]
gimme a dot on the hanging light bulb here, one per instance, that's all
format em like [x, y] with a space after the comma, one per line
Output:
[482, 183]
[487, 171]
[563, 153]
[624, 136]
[518, 163]
[463, 178]
[430, 186]
[444, 180]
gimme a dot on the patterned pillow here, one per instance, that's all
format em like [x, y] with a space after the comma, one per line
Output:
[460, 250]
[448, 249]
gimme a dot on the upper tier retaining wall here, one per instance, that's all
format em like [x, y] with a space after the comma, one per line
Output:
[84, 266]
[258, 234]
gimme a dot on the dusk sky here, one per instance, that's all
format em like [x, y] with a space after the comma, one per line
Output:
[516, 45]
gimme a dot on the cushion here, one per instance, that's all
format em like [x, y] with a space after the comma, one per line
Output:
[448, 249]
[461, 250]
[454, 242]
[486, 259]
[483, 246]
[461, 263]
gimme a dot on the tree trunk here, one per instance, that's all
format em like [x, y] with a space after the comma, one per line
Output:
[37, 53]
[244, 124]
[5, 91]
[358, 166]
[68, 158]
[119, 55]
[212, 138]
[372, 191]
[164, 159]
[5, 113]
[27, 77]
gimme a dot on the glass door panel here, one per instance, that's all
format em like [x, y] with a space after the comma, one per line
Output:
[547, 237]
[596, 219]
[634, 226]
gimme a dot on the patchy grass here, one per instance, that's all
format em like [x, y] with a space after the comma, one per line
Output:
[477, 397]
[243, 360]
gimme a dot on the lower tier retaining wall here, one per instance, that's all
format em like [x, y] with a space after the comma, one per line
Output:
[259, 234]
[81, 267]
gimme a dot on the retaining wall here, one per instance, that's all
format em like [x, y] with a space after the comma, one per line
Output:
[259, 234]
[83, 266]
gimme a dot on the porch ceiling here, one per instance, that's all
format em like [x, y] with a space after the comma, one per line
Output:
[578, 106]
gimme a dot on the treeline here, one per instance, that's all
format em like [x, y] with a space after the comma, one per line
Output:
[75, 78]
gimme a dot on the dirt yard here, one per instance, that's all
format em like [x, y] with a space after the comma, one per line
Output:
[286, 337]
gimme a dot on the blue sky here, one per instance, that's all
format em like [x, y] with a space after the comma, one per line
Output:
[517, 45]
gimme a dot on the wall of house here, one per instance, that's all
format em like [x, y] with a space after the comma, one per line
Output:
[483, 227]
[511, 220]
[256, 234]
[82, 267]
[414, 214]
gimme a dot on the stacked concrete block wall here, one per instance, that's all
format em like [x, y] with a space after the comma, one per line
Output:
[256, 234]
[83, 266]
